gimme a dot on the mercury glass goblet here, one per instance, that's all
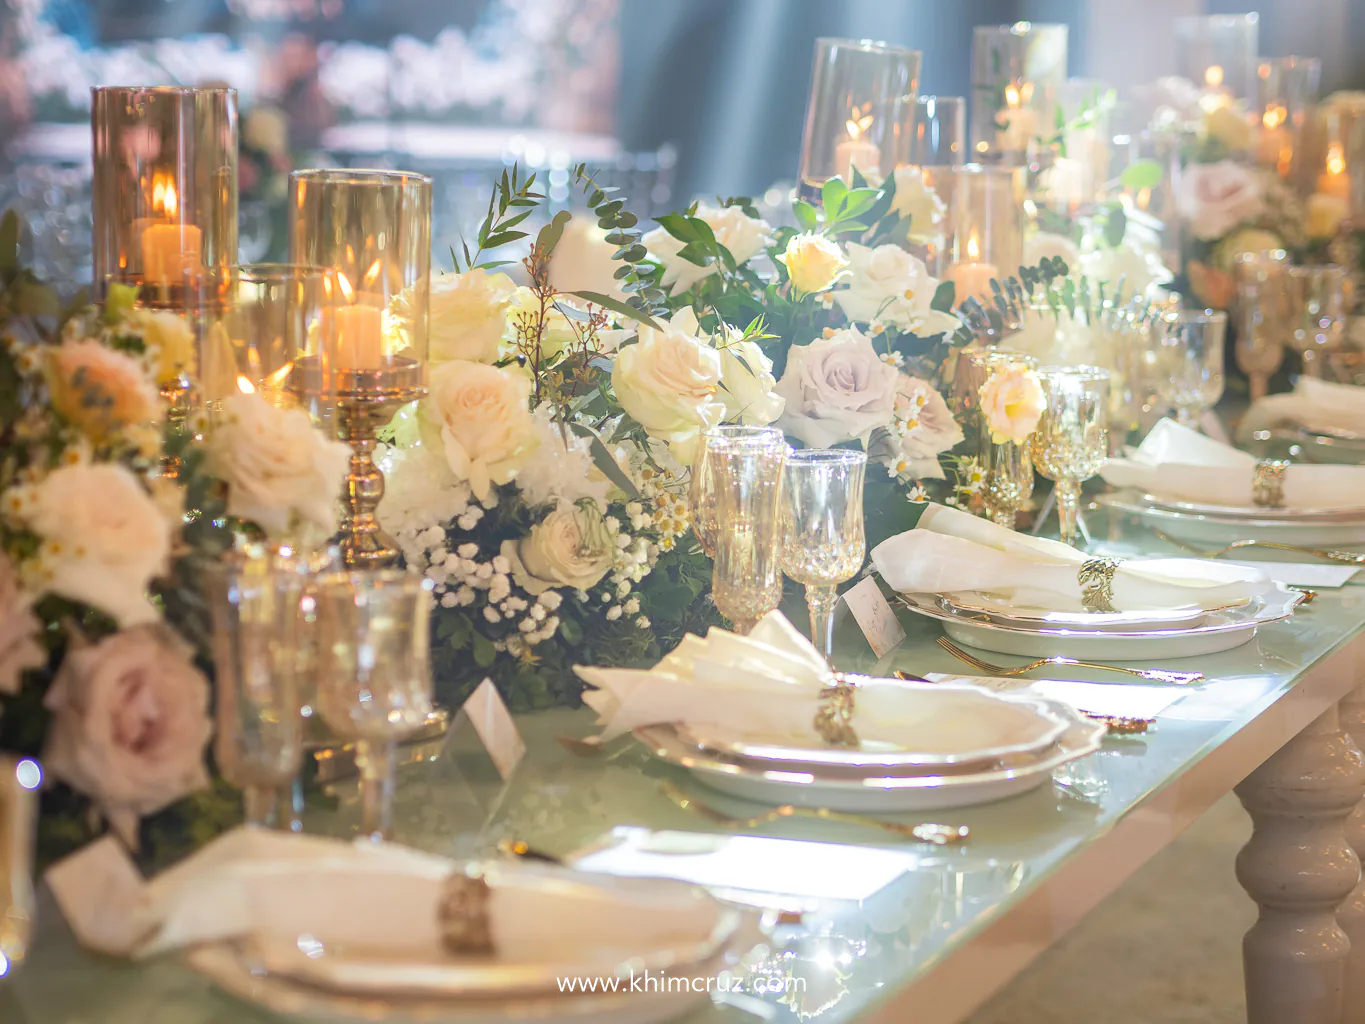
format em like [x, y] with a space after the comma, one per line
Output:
[701, 493]
[1008, 465]
[1317, 301]
[259, 658]
[374, 674]
[1262, 309]
[1189, 354]
[746, 479]
[1072, 442]
[823, 543]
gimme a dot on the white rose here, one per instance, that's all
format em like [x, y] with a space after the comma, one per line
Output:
[1136, 261]
[582, 260]
[743, 235]
[925, 426]
[487, 432]
[1215, 198]
[916, 201]
[466, 315]
[568, 548]
[668, 382]
[1043, 245]
[836, 389]
[104, 539]
[280, 470]
[746, 374]
[888, 285]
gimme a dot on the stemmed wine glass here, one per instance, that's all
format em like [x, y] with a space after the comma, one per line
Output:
[1189, 352]
[743, 478]
[1262, 306]
[1317, 302]
[1071, 442]
[701, 496]
[823, 543]
[374, 674]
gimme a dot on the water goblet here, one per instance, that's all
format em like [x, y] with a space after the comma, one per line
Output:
[374, 674]
[701, 497]
[1071, 442]
[823, 543]
[259, 657]
[1317, 304]
[1262, 307]
[746, 479]
[1189, 353]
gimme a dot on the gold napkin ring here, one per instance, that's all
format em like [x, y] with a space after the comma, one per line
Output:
[1096, 577]
[833, 721]
[1267, 482]
[464, 914]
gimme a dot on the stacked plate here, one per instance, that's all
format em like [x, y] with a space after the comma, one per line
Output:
[1329, 445]
[990, 624]
[1202, 523]
[375, 953]
[936, 746]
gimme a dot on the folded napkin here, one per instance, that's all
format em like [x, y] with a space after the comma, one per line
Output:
[951, 551]
[1177, 463]
[1314, 404]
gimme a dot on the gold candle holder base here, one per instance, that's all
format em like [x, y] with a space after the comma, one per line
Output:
[363, 402]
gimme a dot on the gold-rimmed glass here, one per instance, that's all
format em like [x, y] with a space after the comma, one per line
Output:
[1189, 354]
[373, 667]
[1072, 442]
[1317, 301]
[823, 543]
[745, 475]
[1008, 465]
[701, 495]
[259, 660]
[1263, 315]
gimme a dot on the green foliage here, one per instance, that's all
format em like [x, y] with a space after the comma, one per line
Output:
[1142, 174]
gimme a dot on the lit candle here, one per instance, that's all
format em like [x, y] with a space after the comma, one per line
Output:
[170, 249]
[857, 150]
[1213, 76]
[972, 279]
[354, 331]
[1274, 147]
[1334, 180]
[1019, 118]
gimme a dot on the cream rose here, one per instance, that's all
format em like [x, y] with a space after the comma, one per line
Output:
[925, 426]
[168, 340]
[743, 235]
[668, 381]
[485, 421]
[1246, 240]
[888, 285]
[837, 389]
[104, 538]
[746, 374]
[279, 469]
[466, 315]
[559, 333]
[813, 263]
[917, 202]
[568, 548]
[1325, 214]
[129, 724]
[1012, 402]
[582, 261]
[1215, 198]
[100, 390]
[1041, 245]
[20, 649]
[1229, 124]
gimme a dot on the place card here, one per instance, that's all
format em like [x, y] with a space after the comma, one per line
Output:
[874, 615]
[1306, 574]
[99, 891]
[492, 723]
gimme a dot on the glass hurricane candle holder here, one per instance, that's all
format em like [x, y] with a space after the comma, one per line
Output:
[1071, 442]
[1317, 309]
[1263, 315]
[940, 132]
[164, 199]
[1017, 71]
[1219, 52]
[1189, 354]
[701, 489]
[988, 228]
[371, 231]
[746, 478]
[1286, 89]
[374, 674]
[861, 112]
[823, 543]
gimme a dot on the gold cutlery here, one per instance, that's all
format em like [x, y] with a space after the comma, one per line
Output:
[1340, 557]
[521, 849]
[1152, 675]
[927, 832]
[1116, 723]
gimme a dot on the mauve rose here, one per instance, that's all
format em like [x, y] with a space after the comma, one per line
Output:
[129, 724]
[836, 389]
[1215, 198]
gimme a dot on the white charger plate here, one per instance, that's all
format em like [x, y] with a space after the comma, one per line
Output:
[1220, 631]
[1215, 531]
[1256, 513]
[941, 726]
[880, 794]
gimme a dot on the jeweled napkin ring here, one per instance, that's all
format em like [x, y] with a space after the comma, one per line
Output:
[466, 924]
[1096, 577]
[1267, 482]
[833, 721]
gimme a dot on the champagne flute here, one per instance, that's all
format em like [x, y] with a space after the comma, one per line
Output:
[1071, 442]
[745, 475]
[374, 674]
[822, 529]
[1317, 303]
[1262, 305]
[701, 497]
[258, 654]
[1189, 346]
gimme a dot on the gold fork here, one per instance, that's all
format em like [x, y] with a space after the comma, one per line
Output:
[927, 832]
[1341, 557]
[1115, 723]
[1153, 675]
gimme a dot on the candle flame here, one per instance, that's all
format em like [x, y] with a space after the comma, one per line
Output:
[245, 386]
[860, 120]
[372, 275]
[1274, 116]
[277, 379]
[1012, 95]
[1213, 76]
[165, 201]
[347, 292]
[973, 249]
[1336, 160]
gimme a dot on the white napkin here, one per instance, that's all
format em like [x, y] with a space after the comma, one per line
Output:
[1178, 463]
[1314, 404]
[951, 551]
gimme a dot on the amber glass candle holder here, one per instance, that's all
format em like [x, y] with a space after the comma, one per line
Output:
[1017, 71]
[861, 112]
[371, 231]
[1286, 90]
[988, 228]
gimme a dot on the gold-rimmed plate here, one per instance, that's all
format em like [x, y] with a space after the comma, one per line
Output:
[997, 609]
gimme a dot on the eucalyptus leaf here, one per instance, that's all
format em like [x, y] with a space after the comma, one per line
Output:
[550, 234]
[603, 460]
[617, 306]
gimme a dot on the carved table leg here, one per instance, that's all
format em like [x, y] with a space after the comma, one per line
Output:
[1298, 867]
[1351, 914]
